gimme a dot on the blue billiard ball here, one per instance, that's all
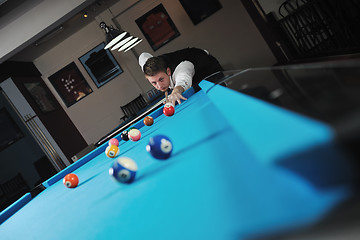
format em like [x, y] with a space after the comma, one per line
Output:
[123, 170]
[160, 147]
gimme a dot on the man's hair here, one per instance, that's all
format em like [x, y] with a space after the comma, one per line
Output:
[154, 65]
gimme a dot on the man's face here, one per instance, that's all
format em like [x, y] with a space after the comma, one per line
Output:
[161, 81]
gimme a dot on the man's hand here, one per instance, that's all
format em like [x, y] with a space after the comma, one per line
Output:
[176, 95]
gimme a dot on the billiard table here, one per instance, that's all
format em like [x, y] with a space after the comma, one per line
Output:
[251, 159]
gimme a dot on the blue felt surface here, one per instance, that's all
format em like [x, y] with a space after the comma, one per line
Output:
[13, 208]
[283, 138]
[276, 131]
[215, 186]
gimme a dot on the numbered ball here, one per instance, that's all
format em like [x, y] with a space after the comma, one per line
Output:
[148, 121]
[114, 141]
[169, 109]
[160, 147]
[71, 180]
[124, 135]
[134, 135]
[123, 170]
[112, 151]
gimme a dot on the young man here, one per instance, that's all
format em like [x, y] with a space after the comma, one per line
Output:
[178, 70]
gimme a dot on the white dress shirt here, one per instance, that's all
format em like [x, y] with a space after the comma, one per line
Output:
[182, 75]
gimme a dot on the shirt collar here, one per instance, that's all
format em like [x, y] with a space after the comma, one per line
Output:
[172, 84]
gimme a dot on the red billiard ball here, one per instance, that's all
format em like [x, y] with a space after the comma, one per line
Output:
[71, 180]
[148, 121]
[114, 141]
[134, 135]
[169, 109]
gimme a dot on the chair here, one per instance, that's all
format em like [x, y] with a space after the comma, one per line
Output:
[13, 189]
[2, 200]
[132, 108]
[44, 168]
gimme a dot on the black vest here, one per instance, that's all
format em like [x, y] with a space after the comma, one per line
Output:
[204, 63]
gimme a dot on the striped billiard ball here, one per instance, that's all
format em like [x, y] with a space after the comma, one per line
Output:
[160, 147]
[123, 170]
[134, 135]
[112, 151]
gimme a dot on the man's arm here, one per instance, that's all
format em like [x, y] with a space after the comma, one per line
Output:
[182, 76]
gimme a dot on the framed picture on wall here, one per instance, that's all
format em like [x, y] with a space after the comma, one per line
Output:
[41, 95]
[10, 131]
[70, 84]
[153, 94]
[200, 9]
[101, 65]
[157, 27]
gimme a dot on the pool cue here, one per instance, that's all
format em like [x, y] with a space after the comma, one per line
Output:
[166, 96]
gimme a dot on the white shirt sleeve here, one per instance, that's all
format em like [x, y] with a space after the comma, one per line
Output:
[183, 74]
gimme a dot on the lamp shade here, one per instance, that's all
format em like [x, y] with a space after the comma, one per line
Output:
[111, 38]
[115, 38]
[128, 44]
[122, 42]
[136, 43]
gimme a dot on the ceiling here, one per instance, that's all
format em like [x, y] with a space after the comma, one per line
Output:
[6, 6]
[74, 22]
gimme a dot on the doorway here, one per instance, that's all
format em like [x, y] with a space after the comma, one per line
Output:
[23, 164]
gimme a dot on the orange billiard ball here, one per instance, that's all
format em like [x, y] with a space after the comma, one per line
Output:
[148, 121]
[71, 180]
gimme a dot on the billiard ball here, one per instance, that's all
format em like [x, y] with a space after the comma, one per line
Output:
[123, 170]
[169, 109]
[160, 147]
[114, 141]
[148, 121]
[112, 151]
[71, 180]
[124, 135]
[134, 135]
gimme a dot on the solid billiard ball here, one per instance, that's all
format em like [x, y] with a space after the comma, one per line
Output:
[124, 135]
[71, 180]
[134, 135]
[123, 170]
[112, 151]
[160, 147]
[169, 109]
[148, 121]
[114, 141]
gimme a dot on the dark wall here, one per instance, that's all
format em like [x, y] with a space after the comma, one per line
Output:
[17, 69]
[21, 155]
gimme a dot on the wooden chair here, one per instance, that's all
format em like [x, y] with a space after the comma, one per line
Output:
[132, 108]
